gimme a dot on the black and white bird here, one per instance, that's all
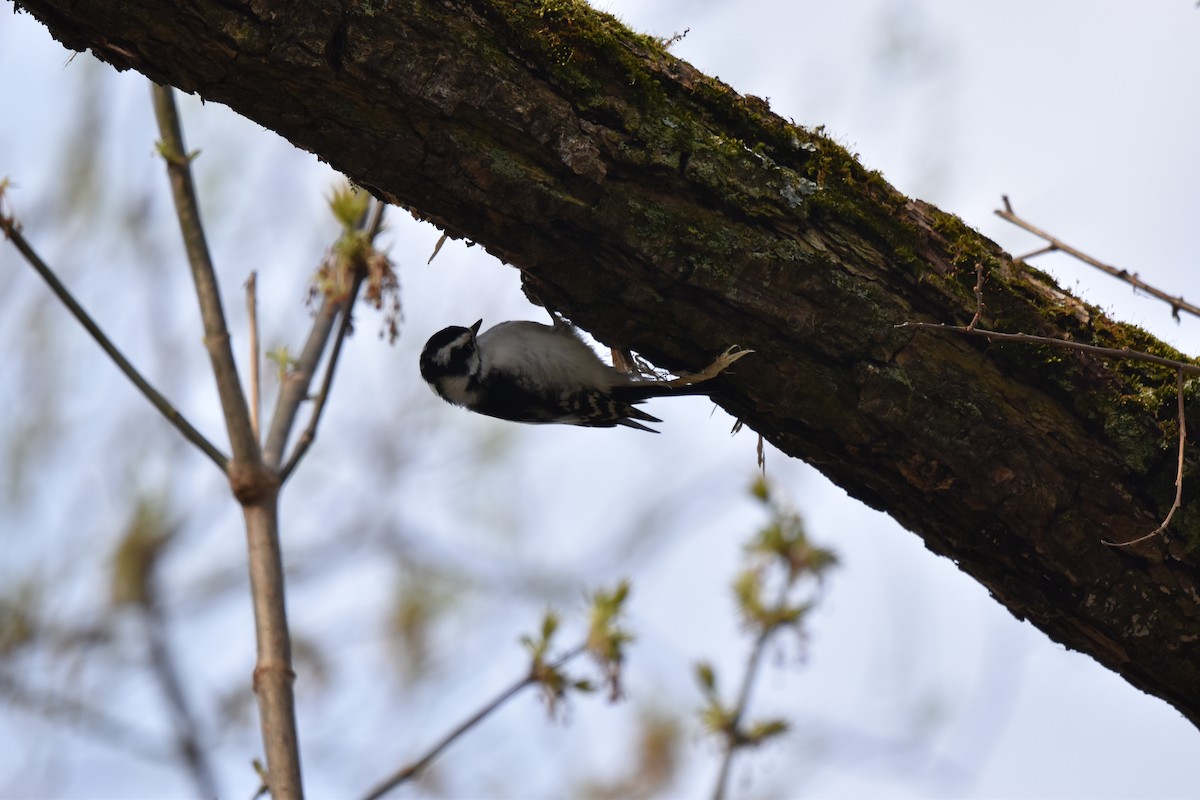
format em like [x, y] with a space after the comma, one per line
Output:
[529, 372]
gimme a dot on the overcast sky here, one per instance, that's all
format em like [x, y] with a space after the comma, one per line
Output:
[915, 683]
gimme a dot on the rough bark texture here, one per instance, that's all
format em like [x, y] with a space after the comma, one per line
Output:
[663, 212]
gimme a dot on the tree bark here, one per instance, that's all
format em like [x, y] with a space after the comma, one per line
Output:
[665, 213]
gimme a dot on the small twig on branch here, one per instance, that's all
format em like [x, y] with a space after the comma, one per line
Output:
[255, 380]
[424, 761]
[1178, 474]
[437, 248]
[1180, 368]
[12, 230]
[1041, 251]
[296, 382]
[309, 434]
[295, 388]
[978, 296]
[1177, 303]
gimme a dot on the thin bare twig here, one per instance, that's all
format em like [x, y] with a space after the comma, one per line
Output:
[1041, 251]
[294, 388]
[1107, 352]
[1178, 474]
[216, 336]
[12, 230]
[255, 381]
[410, 771]
[1054, 244]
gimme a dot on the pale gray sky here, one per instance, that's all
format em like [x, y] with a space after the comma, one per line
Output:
[916, 683]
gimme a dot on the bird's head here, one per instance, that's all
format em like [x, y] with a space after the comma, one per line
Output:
[450, 362]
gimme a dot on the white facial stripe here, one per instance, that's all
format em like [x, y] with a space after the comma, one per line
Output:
[443, 355]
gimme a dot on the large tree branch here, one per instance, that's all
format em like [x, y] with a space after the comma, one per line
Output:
[665, 213]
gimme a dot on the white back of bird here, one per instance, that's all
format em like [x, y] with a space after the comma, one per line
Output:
[546, 356]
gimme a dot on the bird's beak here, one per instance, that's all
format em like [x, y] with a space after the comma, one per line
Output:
[475, 328]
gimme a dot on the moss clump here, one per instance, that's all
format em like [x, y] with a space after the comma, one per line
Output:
[579, 47]
[965, 245]
[584, 52]
[1138, 440]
